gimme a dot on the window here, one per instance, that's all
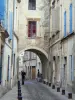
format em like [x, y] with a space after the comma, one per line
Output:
[32, 5]
[8, 68]
[64, 23]
[1, 59]
[14, 66]
[71, 68]
[11, 24]
[70, 18]
[32, 29]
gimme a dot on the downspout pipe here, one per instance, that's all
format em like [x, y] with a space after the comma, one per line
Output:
[12, 57]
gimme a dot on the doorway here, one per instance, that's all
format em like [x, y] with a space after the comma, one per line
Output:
[33, 72]
[1, 57]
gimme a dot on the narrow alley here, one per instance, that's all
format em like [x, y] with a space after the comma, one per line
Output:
[38, 91]
[37, 49]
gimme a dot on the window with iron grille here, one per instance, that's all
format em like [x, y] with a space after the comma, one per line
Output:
[32, 29]
[32, 5]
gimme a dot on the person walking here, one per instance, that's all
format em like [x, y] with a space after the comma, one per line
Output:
[38, 74]
[23, 76]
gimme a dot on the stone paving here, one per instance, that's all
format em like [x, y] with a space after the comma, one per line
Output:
[11, 95]
[33, 90]
[37, 91]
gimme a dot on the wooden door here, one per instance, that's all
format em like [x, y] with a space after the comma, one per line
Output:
[33, 72]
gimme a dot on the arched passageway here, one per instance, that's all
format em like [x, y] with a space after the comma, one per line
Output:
[43, 57]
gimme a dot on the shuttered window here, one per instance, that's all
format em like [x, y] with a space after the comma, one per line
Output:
[2, 8]
[10, 24]
[32, 29]
[64, 23]
[71, 68]
[4, 20]
[8, 68]
[14, 66]
[55, 19]
[70, 18]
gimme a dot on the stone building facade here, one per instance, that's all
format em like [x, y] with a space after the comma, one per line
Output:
[8, 73]
[31, 65]
[62, 42]
[31, 30]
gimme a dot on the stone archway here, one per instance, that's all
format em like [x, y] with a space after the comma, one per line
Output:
[42, 55]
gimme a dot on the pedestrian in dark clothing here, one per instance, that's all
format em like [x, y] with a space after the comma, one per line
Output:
[38, 74]
[23, 77]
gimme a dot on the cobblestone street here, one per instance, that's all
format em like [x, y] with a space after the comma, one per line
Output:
[33, 90]
[37, 91]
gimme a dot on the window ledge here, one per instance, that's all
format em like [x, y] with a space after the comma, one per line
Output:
[37, 37]
[68, 36]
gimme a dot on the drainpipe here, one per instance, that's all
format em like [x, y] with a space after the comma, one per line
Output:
[48, 72]
[18, 47]
[12, 57]
[61, 78]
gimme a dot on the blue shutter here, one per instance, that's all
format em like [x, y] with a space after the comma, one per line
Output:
[6, 15]
[70, 18]
[10, 24]
[65, 24]
[2, 9]
[5, 20]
